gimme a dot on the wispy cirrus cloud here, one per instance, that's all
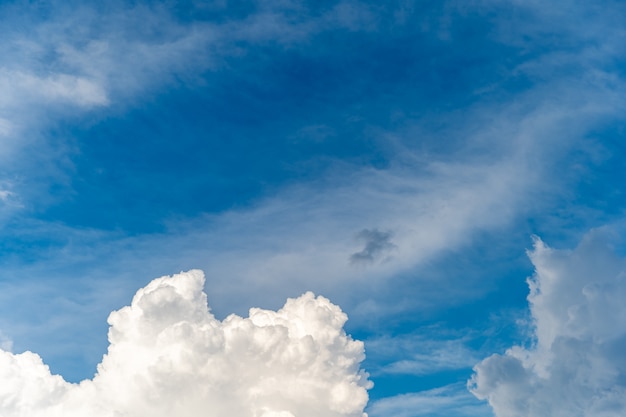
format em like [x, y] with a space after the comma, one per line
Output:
[438, 402]
[421, 354]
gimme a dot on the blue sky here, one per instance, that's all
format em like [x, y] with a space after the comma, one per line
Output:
[400, 158]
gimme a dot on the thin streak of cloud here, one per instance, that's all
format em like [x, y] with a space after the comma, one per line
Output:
[438, 402]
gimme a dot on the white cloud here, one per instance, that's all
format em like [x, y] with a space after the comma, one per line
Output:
[168, 356]
[577, 363]
[5, 127]
[27, 89]
[5, 195]
[451, 400]
[427, 350]
[64, 87]
[6, 343]
[450, 355]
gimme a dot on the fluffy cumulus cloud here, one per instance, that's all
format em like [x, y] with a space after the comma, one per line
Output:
[576, 365]
[169, 356]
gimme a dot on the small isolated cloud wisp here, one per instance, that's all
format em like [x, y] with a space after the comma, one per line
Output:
[169, 356]
[577, 363]
[377, 245]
